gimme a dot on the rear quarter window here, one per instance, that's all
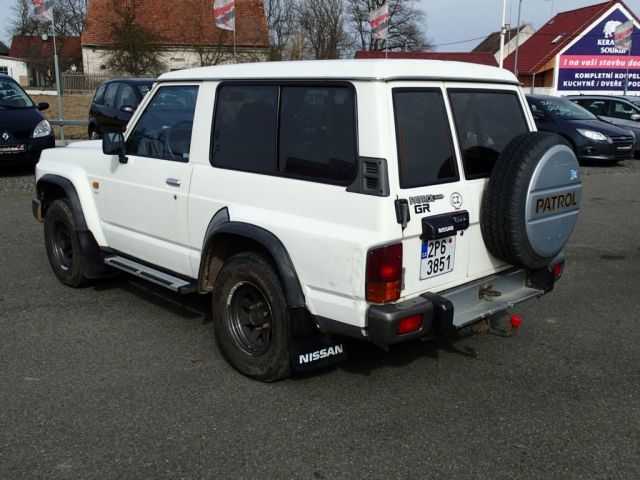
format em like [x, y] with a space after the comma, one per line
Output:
[486, 122]
[98, 99]
[425, 150]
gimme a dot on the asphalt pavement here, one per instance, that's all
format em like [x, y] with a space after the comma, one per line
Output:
[122, 380]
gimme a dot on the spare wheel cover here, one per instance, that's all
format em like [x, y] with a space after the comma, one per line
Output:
[553, 201]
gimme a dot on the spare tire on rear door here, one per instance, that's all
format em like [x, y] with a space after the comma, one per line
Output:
[531, 204]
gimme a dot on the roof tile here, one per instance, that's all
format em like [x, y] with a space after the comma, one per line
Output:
[564, 27]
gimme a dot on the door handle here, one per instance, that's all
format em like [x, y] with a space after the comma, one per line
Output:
[173, 182]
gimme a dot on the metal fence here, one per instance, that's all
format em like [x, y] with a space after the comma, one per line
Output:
[80, 82]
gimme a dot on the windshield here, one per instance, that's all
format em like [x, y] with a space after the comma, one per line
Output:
[12, 96]
[562, 109]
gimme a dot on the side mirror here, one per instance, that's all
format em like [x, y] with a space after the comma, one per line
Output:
[127, 109]
[113, 144]
[635, 117]
[43, 106]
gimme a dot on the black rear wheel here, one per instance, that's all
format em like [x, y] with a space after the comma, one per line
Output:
[251, 318]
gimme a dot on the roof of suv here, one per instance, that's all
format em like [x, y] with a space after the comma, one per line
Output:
[380, 69]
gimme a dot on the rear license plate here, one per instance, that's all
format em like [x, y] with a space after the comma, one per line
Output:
[438, 257]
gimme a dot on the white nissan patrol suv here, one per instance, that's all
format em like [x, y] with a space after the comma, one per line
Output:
[386, 200]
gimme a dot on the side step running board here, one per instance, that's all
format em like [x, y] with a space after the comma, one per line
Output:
[166, 280]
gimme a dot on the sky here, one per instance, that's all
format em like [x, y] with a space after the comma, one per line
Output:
[449, 22]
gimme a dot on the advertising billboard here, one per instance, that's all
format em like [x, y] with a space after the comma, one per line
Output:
[595, 63]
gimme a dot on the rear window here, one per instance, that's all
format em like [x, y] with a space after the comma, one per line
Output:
[99, 97]
[486, 121]
[425, 151]
[317, 134]
[299, 131]
[245, 130]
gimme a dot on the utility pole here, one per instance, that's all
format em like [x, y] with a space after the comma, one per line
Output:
[56, 63]
[515, 68]
[503, 31]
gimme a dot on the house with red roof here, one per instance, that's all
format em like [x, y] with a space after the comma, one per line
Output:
[575, 53]
[36, 52]
[184, 32]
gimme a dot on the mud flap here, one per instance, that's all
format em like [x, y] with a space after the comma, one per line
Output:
[315, 352]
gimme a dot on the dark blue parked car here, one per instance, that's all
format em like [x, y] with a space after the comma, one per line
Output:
[24, 132]
[591, 138]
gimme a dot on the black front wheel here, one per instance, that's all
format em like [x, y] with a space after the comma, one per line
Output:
[63, 246]
[251, 319]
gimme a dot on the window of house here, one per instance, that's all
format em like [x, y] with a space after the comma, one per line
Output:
[486, 122]
[165, 127]
[425, 150]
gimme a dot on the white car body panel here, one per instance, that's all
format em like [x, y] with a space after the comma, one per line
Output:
[326, 230]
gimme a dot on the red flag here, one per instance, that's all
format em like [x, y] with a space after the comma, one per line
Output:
[224, 12]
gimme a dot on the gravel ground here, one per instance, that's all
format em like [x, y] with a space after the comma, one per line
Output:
[122, 380]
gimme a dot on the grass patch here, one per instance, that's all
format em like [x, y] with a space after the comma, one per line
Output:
[76, 107]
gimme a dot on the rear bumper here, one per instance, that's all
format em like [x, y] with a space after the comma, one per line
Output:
[452, 309]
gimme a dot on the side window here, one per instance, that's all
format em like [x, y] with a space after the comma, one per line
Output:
[245, 129]
[597, 107]
[486, 121]
[318, 134]
[110, 95]
[425, 150]
[622, 110]
[126, 97]
[4, 70]
[164, 129]
[99, 96]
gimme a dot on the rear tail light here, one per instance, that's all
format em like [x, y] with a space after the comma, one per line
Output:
[384, 274]
[558, 270]
[409, 325]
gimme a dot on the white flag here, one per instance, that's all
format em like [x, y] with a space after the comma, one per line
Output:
[224, 11]
[379, 21]
[43, 10]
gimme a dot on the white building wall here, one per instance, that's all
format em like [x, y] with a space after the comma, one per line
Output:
[15, 68]
[174, 58]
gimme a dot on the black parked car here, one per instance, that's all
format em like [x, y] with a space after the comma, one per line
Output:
[591, 138]
[24, 132]
[114, 104]
[623, 111]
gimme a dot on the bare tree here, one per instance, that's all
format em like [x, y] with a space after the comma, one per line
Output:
[322, 23]
[406, 25]
[281, 17]
[135, 49]
[69, 18]
[22, 20]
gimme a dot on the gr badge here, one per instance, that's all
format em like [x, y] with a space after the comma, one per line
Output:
[422, 203]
